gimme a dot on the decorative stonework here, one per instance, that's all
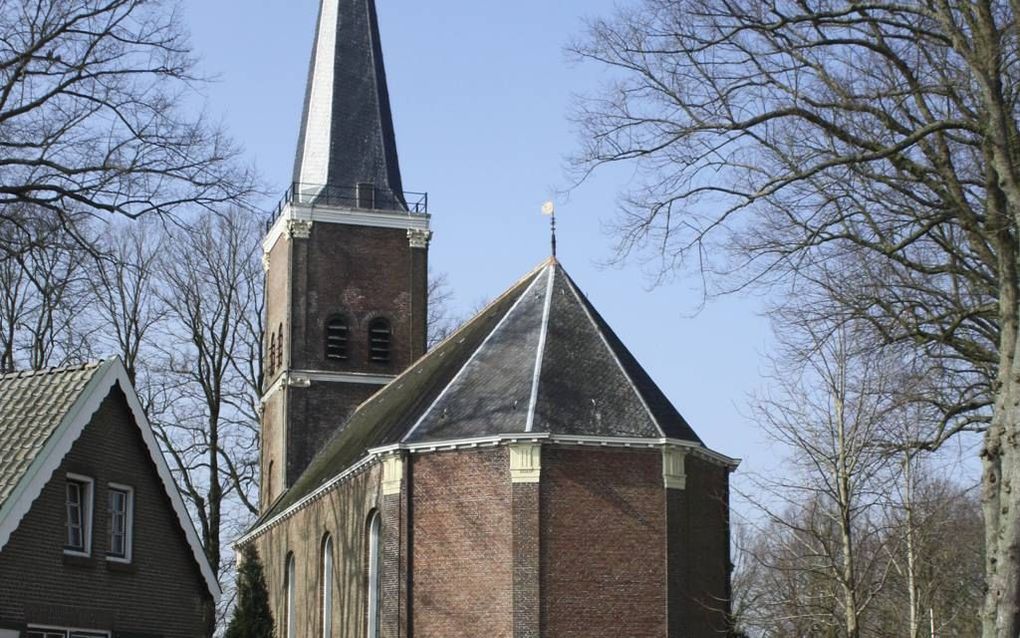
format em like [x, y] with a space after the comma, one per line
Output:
[297, 381]
[299, 228]
[674, 474]
[525, 462]
[393, 474]
[265, 262]
[419, 238]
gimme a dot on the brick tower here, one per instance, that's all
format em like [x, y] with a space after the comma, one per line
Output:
[346, 254]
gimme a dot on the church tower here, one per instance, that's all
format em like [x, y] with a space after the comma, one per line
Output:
[346, 254]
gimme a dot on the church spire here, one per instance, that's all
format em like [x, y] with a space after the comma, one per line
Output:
[347, 139]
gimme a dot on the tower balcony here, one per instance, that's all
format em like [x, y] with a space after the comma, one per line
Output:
[362, 198]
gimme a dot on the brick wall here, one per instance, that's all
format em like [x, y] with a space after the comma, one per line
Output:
[462, 583]
[160, 593]
[314, 415]
[603, 562]
[343, 513]
[362, 273]
[699, 552]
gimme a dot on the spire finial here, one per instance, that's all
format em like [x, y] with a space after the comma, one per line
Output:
[549, 210]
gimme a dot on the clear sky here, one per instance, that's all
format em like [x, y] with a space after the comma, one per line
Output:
[481, 93]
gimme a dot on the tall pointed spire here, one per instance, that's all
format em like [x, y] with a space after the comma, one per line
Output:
[347, 137]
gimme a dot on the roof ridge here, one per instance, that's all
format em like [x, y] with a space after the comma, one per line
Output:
[26, 374]
[536, 276]
[582, 299]
[543, 336]
[450, 337]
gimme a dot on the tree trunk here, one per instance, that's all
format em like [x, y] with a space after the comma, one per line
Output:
[908, 507]
[1000, 481]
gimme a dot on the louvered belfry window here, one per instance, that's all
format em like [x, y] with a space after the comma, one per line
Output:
[380, 338]
[337, 333]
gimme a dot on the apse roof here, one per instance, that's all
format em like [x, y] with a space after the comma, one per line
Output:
[540, 359]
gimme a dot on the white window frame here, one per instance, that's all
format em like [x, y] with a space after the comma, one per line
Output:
[291, 602]
[129, 524]
[88, 507]
[374, 567]
[327, 587]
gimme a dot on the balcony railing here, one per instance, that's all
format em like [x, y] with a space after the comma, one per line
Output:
[360, 197]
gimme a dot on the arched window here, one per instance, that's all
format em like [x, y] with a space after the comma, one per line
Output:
[290, 583]
[269, 484]
[279, 346]
[374, 546]
[379, 338]
[337, 332]
[271, 355]
[327, 587]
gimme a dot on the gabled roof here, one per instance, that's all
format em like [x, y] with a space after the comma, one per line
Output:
[540, 359]
[42, 414]
[347, 133]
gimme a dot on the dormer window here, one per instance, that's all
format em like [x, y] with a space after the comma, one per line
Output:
[337, 333]
[380, 337]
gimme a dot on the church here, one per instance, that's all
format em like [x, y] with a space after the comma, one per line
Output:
[524, 478]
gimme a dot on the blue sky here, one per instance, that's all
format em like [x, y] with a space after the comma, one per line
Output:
[481, 92]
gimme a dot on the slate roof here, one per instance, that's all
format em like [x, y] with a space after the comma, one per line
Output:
[32, 406]
[350, 82]
[540, 359]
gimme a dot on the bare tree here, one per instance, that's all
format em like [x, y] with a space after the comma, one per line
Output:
[868, 149]
[92, 119]
[42, 318]
[211, 292]
[828, 409]
[441, 321]
[123, 284]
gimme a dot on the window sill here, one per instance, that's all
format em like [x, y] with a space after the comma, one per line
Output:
[77, 559]
[121, 565]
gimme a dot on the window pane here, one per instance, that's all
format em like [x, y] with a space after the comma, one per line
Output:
[118, 506]
[75, 519]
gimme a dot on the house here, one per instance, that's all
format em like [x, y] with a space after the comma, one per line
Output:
[95, 540]
[524, 478]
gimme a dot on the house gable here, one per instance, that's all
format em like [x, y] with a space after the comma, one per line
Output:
[21, 404]
[162, 587]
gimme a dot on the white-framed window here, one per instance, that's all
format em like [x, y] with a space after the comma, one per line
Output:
[374, 546]
[120, 505]
[40, 631]
[290, 586]
[327, 587]
[78, 506]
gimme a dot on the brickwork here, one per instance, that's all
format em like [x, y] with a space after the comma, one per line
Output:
[526, 525]
[316, 413]
[603, 563]
[362, 273]
[699, 552]
[160, 593]
[343, 513]
[463, 548]
[392, 623]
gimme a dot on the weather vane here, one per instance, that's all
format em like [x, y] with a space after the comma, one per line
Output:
[549, 210]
